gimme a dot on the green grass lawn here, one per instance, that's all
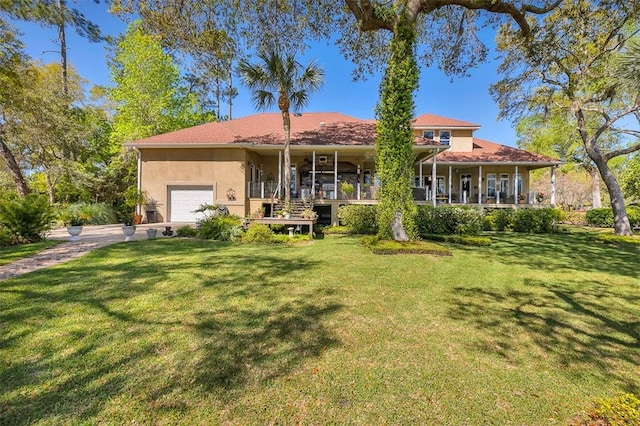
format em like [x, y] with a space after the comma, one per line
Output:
[527, 331]
[13, 253]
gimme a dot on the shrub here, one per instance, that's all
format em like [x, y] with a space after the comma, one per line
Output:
[602, 218]
[186, 231]
[6, 239]
[335, 230]
[26, 218]
[258, 233]
[537, 221]
[619, 411]
[575, 218]
[498, 219]
[223, 228]
[465, 240]
[449, 220]
[360, 219]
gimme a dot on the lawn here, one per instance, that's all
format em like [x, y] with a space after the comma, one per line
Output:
[527, 331]
[12, 253]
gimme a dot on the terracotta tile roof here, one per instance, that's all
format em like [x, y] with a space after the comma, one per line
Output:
[490, 152]
[440, 122]
[318, 128]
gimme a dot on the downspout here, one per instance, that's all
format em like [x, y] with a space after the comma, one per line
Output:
[139, 178]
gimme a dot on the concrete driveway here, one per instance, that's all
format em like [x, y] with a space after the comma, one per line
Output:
[91, 238]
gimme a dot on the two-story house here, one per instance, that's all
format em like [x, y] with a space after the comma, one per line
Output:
[239, 163]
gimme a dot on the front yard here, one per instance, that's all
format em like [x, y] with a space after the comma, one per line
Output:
[527, 331]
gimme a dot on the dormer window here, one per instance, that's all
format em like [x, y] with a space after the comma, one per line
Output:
[428, 134]
[445, 137]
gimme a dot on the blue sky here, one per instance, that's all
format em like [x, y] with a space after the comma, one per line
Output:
[463, 98]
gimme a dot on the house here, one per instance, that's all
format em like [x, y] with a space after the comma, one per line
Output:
[239, 163]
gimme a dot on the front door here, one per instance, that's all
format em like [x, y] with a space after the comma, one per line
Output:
[465, 188]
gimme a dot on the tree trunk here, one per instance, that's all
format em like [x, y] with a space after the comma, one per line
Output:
[63, 47]
[621, 223]
[286, 119]
[596, 199]
[394, 139]
[14, 169]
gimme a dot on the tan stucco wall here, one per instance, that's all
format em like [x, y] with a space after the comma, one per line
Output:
[223, 169]
[461, 139]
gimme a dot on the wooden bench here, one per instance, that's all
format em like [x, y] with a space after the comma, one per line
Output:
[290, 221]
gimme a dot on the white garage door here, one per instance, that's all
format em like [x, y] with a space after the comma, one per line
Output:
[184, 200]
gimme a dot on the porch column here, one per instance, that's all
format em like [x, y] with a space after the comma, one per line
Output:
[335, 175]
[279, 172]
[313, 175]
[553, 187]
[433, 179]
[479, 184]
[139, 172]
[420, 183]
[515, 187]
[450, 184]
[358, 183]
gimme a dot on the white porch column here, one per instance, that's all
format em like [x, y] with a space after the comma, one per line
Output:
[313, 175]
[358, 183]
[553, 187]
[139, 171]
[433, 179]
[479, 184]
[261, 189]
[450, 184]
[420, 183]
[335, 175]
[515, 187]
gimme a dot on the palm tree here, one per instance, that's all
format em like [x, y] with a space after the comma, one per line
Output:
[280, 74]
[629, 67]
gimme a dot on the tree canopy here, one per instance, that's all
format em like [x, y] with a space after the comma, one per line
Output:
[569, 65]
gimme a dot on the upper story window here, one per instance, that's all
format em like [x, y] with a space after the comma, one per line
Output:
[445, 137]
[428, 134]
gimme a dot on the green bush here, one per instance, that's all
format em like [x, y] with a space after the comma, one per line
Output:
[449, 220]
[602, 218]
[222, 227]
[186, 231]
[88, 214]
[575, 218]
[258, 233]
[6, 239]
[498, 219]
[26, 218]
[537, 221]
[465, 240]
[622, 410]
[360, 219]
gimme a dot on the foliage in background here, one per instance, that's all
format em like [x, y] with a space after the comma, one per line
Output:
[572, 73]
[186, 231]
[461, 220]
[630, 179]
[26, 218]
[149, 95]
[359, 219]
[221, 227]
[90, 213]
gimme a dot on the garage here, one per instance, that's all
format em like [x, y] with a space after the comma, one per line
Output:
[184, 200]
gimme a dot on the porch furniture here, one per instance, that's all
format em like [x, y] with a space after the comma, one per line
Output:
[290, 221]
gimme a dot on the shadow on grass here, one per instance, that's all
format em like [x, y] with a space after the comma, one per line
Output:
[144, 321]
[585, 328]
[575, 251]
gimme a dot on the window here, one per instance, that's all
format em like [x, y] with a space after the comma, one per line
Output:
[504, 184]
[445, 137]
[428, 134]
[491, 184]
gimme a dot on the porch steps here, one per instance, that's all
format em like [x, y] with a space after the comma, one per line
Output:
[297, 206]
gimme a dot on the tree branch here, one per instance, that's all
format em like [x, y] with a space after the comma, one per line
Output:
[364, 13]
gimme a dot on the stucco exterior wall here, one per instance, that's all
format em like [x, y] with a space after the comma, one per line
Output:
[222, 169]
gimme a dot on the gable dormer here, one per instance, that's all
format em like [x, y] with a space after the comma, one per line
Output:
[457, 134]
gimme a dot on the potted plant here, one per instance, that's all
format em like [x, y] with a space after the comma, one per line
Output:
[279, 214]
[129, 227]
[309, 213]
[151, 208]
[286, 210]
[134, 199]
[74, 221]
[259, 213]
[347, 189]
